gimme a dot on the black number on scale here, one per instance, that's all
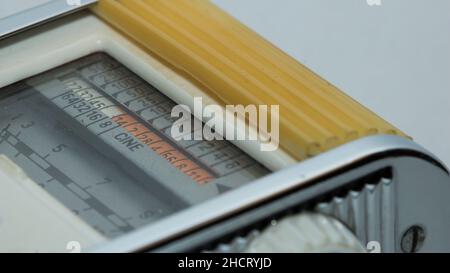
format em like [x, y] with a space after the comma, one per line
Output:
[150, 213]
[205, 146]
[81, 106]
[106, 180]
[27, 125]
[232, 165]
[74, 86]
[220, 155]
[94, 115]
[70, 98]
[85, 95]
[59, 148]
[97, 104]
[105, 124]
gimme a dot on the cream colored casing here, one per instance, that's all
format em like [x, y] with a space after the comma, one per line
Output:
[47, 47]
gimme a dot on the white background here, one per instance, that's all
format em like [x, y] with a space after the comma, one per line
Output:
[393, 58]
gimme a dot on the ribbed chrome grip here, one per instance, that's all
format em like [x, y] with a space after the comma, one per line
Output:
[369, 212]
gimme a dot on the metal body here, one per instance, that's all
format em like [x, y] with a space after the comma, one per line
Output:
[415, 173]
[31, 14]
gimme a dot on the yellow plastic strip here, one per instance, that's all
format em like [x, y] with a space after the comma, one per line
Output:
[237, 66]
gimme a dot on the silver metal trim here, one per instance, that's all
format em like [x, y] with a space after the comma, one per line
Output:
[258, 191]
[38, 15]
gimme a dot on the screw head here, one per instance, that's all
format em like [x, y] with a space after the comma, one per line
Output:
[413, 239]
